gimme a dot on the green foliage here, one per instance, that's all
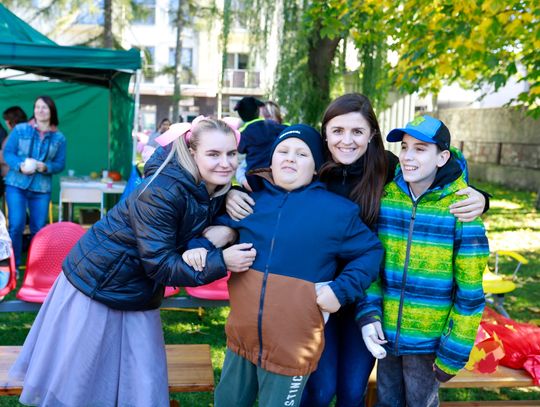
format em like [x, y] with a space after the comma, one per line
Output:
[473, 43]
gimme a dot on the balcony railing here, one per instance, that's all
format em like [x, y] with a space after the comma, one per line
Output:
[241, 78]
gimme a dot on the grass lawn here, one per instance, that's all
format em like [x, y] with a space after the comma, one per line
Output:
[512, 224]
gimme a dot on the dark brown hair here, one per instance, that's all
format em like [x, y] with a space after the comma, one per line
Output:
[52, 107]
[368, 192]
[14, 115]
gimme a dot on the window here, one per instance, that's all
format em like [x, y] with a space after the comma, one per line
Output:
[238, 12]
[149, 68]
[237, 61]
[186, 15]
[147, 118]
[145, 13]
[186, 59]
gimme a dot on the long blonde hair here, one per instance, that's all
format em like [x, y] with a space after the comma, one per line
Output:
[180, 150]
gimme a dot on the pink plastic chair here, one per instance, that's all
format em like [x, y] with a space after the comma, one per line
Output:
[12, 282]
[48, 250]
[170, 291]
[216, 290]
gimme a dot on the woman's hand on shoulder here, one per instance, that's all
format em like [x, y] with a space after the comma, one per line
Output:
[238, 204]
[220, 236]
[239, 257]
[470, 208]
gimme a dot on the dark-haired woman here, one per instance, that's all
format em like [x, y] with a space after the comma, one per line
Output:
[34, 152]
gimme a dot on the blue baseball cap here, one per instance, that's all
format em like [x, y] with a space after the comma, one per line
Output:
[424, 128]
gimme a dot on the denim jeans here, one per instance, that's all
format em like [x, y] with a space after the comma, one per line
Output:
[344, 367]
[17, 201]
[407, 380]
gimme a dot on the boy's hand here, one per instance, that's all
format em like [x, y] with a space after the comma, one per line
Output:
[220, 236]
[239, 257]
[373, 337]
[195, 258]
[238, 204]
[327, 300]
[471, 208]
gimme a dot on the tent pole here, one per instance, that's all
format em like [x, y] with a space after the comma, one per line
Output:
[109, 119]
[136, 115]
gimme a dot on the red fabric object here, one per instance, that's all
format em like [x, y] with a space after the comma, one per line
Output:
[487, 352]
[521, 342]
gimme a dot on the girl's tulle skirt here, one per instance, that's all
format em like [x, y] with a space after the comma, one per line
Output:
[80, 353]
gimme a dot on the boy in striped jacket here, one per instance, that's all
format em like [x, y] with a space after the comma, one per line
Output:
[429, 296]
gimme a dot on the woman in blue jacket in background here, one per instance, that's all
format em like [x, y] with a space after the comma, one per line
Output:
[34, 152]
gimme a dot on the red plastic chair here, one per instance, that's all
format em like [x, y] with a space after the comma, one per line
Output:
[216, 290]
[48, 250]
[12, 282]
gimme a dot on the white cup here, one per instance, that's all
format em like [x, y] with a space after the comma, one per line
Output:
[71, 173]
[30, 164]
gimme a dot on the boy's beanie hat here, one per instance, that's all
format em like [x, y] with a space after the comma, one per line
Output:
[308, 135]
[248, 108]
[426, 129]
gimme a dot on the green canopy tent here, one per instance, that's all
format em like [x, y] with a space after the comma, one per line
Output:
[93, 99]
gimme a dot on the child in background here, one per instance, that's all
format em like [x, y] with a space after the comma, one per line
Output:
[429, 297]
[275, 330]
[5, 252]
[258, 136]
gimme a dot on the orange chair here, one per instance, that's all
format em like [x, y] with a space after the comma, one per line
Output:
[12, 282]
[48, 250]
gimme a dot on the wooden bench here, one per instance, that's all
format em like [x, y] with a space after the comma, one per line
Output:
[189, 366]
[503, 377]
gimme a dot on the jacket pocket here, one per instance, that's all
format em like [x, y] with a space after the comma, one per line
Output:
[447, 332]
[114, 271]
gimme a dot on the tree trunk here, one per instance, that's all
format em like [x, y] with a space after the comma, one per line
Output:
[320, 57]
[177, 63]
[107, 24]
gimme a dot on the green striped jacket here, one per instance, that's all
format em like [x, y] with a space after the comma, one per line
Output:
[429, 294]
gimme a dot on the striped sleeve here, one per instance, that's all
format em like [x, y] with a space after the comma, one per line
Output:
[471, 251]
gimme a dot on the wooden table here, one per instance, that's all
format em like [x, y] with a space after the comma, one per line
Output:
[503, 377]
[189, 367]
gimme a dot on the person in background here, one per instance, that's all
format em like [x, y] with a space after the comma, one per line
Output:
[12, 116]
[272, 111]
[164, 125]
[257, 137]
[34, 152]
[5, 253]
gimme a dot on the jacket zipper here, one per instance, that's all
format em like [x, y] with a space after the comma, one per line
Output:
[344, 176]
[265, 279]
[404, 279]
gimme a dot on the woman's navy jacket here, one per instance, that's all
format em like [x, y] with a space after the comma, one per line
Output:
[127, 258]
